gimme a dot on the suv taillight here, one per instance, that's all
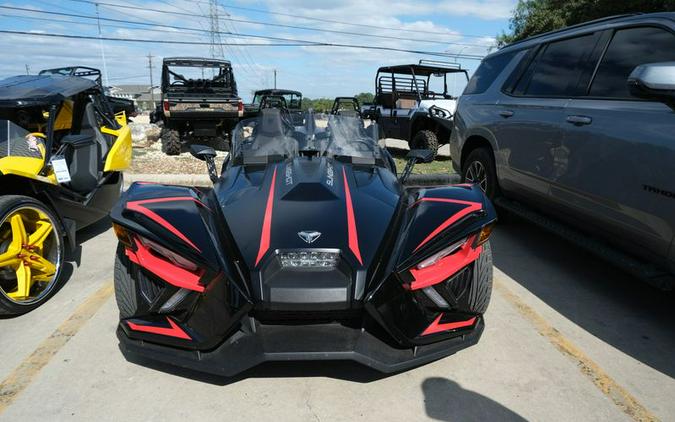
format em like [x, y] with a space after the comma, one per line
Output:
[166, 105]
[240, 106]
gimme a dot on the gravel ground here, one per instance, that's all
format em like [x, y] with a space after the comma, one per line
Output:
[148, 157]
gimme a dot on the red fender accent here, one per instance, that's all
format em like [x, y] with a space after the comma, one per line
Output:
[470, 207]
[167, 271]
[437, 327]
[445, 267]
[173, 331]
[138, 206]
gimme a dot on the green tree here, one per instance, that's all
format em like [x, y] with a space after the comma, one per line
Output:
[532, 17]
[365, 97]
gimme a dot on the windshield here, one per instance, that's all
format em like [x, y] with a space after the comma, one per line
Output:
[16, 141]
[274, 136]
[211, 76]
[292, 100]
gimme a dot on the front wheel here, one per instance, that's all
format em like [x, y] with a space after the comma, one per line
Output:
[479, 168]
[171, 144]
[31, 254]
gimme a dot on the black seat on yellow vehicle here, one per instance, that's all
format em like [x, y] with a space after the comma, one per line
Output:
[86, 152]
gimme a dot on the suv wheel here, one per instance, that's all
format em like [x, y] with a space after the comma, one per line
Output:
[425, 139]
[171, 144]
[479, 168]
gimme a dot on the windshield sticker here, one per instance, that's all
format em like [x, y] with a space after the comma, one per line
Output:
[329, 174]
[289, 175]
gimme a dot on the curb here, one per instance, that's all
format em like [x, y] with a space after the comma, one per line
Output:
[203, 179]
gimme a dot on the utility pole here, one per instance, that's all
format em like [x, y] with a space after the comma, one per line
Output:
[152, 86]
[275, 79]
[27, 69]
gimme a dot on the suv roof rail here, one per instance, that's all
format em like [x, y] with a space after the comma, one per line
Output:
[575, 26]
[451, 65]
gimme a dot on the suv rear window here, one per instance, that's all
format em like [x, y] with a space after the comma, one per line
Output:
[486, 73]
[628, 49]
[557, 69]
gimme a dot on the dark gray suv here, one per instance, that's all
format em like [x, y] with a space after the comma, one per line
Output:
[580, 124]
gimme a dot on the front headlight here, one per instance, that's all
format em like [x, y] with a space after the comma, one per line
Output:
[309, 259]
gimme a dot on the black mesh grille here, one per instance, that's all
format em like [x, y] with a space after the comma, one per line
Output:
[149, 286]
[459, 284]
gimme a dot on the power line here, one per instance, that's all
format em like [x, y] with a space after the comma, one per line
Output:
[362, 25]
[278, 25]
[291, 41]
[314, 44]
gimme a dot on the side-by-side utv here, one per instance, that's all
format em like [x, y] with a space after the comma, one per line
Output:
[62, 153]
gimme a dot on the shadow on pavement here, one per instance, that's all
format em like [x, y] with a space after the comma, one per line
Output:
[342, 370]
[615, 307]
[445, 400]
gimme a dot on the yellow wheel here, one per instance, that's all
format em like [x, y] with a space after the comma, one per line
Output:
[31, 254]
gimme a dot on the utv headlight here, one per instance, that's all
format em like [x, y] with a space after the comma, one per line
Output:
[309, 259]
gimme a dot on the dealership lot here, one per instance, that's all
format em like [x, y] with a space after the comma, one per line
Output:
[567, 338]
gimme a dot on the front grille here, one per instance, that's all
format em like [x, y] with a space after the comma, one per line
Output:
[149, 286]
[349, 317]
[459, 284]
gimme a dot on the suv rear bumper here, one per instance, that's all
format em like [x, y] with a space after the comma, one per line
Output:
[334, 341]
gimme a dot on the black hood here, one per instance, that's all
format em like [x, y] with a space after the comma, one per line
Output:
[308, 194]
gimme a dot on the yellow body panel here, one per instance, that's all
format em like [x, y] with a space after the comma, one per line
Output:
[26, 167]
[119, 156]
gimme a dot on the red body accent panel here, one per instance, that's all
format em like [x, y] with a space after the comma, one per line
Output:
[267, 221]
[352, 233]
[167, 271]
[445, 267]
[470, 207]
[437, 327]
[138, 206]
[173, 331]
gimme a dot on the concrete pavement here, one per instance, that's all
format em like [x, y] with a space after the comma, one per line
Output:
[518, 370]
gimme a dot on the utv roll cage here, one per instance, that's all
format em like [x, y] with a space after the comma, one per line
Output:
[81, 71]
[228, 83]
[411, 81]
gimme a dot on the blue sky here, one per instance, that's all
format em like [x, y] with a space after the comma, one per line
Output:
[452, 26]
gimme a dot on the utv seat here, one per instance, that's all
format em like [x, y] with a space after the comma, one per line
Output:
[85, 153]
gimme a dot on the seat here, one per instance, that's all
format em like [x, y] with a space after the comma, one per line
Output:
[85, 153]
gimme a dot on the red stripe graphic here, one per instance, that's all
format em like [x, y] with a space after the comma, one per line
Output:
[445, 267]
[139, 207]
[172, 274]
[437, 327]
[173, 331]
[351, 221]
[470, 207]
[267, 221]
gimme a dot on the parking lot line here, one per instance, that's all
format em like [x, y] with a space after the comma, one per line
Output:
[22, 376]
[610, 388]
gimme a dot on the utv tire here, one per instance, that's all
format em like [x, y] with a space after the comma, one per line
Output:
[481, 285]
[125, 284]
[479, 168]
[171, 144]
[9, 206]
[425, 139]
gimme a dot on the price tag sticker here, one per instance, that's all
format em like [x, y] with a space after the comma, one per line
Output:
[61, 170]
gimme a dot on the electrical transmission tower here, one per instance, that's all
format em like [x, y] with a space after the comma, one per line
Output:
[214, 29]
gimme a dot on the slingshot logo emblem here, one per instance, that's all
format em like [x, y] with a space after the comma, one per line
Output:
[309, 236]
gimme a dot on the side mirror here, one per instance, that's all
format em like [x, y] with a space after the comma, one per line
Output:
[413, 157]
[207, 154]
[654, 81]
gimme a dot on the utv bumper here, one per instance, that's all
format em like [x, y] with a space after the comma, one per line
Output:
[242, 350]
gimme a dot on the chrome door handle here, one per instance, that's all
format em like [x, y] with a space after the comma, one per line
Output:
[506, 113]
[579, 120]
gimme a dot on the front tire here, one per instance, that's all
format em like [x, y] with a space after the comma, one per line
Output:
[479, 168]
[32, 252]
[425, 139]
[171, 144]
[481, 285]
[125, 285]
